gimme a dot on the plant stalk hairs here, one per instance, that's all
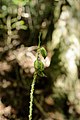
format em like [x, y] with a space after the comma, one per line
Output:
[39, 68]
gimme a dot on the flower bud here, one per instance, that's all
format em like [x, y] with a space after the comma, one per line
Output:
[38, 65]
[43, 52]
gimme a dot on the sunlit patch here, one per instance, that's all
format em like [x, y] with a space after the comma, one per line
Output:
[26, 15]
[5, 83]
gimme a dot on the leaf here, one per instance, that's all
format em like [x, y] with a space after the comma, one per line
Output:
[20, 2]
[41, 74]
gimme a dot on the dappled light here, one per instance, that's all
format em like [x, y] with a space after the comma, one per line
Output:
[55, 25]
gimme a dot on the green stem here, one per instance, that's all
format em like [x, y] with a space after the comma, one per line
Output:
[39, 40]
[31, 96]
[33, 83]
[38, 48]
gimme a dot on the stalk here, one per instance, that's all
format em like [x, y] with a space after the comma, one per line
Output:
[31, 96]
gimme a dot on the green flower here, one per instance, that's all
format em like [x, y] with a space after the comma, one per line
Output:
[43, 52]
[38, 65]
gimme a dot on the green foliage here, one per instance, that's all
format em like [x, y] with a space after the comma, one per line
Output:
[20, 2]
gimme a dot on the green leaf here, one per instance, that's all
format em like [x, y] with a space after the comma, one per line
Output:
[41, 74]
[20, 2]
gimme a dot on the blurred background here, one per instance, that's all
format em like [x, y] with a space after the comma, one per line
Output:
[57, 96]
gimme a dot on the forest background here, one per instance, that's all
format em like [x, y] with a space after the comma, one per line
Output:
[57, 96]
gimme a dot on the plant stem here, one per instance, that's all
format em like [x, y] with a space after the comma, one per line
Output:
[31, 95]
